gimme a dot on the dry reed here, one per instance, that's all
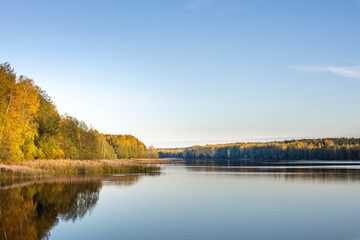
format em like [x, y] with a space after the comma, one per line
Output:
[66, 166]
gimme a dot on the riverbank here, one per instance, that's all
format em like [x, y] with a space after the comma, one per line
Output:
[66, 166]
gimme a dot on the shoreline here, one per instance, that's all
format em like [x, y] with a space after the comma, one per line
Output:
[79, 167]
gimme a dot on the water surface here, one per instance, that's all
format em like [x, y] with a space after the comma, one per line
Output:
[190, 200]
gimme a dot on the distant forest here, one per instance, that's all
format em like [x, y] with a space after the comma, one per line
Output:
[307, 149]
[32, 128]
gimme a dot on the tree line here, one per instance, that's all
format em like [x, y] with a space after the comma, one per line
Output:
[303, 149]
[32, 128]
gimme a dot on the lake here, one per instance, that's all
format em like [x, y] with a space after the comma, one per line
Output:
[190, 199]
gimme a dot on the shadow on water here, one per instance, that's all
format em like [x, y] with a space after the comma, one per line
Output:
[30, 209]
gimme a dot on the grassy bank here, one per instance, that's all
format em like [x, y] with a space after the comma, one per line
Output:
[64, 166]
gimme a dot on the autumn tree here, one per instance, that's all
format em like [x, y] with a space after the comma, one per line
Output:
[49, 124]
[19, 107]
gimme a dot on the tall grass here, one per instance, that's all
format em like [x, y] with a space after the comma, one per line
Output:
[65, 166]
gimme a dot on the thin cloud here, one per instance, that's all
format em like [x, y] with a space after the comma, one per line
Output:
[194, 4]
[350, 72]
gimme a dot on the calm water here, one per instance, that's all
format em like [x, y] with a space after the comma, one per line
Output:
[190, 200]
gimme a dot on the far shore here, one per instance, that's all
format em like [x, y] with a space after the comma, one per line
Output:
[67, 166]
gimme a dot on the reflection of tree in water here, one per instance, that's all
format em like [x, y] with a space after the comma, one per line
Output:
[303, 171]
[30, 211]
[84, 202]
[125, 180]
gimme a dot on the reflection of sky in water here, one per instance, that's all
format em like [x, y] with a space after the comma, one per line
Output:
[186, 204]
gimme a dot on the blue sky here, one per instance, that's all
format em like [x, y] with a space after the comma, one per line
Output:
[177, 73]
